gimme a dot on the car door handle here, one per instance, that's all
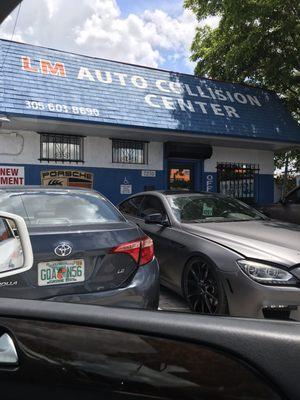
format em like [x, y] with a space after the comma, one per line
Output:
[8, 352]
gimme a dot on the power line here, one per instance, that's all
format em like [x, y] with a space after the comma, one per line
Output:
[12, 36]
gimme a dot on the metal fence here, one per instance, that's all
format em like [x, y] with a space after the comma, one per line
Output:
[238, 180]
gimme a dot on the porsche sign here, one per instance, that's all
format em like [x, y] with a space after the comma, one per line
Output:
[67, 177]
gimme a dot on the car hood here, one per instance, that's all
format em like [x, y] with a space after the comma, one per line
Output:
[267, 240]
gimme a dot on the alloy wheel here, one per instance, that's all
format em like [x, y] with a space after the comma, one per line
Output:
[202, 288]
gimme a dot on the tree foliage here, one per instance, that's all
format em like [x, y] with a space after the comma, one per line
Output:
[257, 42]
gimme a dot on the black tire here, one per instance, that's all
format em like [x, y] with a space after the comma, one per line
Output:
[203, 288]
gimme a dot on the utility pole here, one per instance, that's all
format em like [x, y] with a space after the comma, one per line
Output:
[285, 176]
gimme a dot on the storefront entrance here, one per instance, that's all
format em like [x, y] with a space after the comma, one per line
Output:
[185, 165]
[181, 176]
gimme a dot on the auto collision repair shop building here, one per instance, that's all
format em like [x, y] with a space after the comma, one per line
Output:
[68, 119]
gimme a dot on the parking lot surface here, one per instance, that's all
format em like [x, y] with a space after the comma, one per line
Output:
[170, 301]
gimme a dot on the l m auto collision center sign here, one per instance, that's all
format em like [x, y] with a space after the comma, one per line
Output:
[47, 83]
[12, 176]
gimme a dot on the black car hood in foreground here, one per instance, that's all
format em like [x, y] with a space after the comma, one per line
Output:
[267, 240]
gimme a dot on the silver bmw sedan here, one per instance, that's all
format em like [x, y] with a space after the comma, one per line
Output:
[221, 255]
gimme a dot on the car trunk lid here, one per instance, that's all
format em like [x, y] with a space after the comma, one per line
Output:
[89, 261]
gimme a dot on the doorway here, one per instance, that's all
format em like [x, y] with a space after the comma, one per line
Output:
[181, 176]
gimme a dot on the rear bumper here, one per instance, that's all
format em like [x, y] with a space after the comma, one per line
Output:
[142, 292]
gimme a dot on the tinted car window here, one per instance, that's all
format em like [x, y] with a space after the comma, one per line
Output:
[5, 232]
[131, 206]
[152, 205]
[294, 197]
[63, 208]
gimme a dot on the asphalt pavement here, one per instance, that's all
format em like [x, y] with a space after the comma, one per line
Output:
[170, 301]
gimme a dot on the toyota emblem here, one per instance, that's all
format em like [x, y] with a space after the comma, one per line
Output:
[63, 250]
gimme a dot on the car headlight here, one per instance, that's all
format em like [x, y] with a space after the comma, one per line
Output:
[264, 273]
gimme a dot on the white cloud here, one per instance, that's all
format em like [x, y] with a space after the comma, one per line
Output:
[136, 38]
[97, 28]
[212, 21]
[17, 36]
[53, 7]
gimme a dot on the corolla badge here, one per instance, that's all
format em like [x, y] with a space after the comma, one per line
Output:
[11, 283]
[63, 250]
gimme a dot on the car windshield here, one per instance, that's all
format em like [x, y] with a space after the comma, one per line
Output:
[60, 208]
[199, 208]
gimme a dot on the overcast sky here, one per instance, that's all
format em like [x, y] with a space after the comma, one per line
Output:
[156, 33]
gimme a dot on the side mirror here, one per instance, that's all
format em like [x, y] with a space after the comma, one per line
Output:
[157, 218]
[15, 246]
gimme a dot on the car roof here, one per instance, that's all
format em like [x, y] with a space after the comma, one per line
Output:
[183, 192]
[14, 189]
[176, 193]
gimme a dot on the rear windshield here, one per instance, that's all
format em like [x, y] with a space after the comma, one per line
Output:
[60, 208]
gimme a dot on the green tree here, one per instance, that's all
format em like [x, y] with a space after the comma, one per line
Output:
[257, 42]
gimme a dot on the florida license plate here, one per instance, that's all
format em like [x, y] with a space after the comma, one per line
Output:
[60, 272]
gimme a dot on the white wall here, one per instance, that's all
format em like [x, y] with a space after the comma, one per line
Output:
[24, 148]
[19, 148]
[98, 153]
[265, 159]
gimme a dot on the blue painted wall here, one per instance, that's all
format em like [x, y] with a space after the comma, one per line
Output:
[209, 182]
[177, 101]
[265, 189]
[106, 180]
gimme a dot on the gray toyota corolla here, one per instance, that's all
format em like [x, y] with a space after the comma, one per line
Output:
[220, 254]
[84, 250]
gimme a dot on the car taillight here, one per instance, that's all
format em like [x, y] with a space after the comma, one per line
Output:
[141, 250]
[147, 250]
[132, 248]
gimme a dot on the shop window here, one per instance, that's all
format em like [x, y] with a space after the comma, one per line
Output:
[237, 180]
[181, 176]
[61, 148]
[129, 151]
